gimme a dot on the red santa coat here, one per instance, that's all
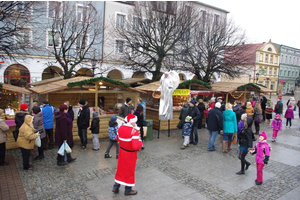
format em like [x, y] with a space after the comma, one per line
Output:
[130, 143]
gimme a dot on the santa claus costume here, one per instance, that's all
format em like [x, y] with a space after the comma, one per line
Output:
[130, 143]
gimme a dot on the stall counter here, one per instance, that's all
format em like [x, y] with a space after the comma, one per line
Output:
[153, 114]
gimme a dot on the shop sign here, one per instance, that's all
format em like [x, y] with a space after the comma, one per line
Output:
[200, 92]
[181, 92]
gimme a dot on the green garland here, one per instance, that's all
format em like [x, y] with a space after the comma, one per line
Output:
[72, 84]
[248, 84]
[189, 82]
[1, 85]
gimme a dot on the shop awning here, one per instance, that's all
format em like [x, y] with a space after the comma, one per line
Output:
[14, 88]
[225, 87]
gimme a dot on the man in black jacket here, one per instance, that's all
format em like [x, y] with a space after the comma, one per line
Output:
[263, 103]
[83, 122]
[279, 107]
[195, 114]
[127, 108]
[214, 120]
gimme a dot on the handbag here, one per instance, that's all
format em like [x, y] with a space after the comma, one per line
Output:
[258, 119]
[234, 139]
[179, 125]
[15, 134]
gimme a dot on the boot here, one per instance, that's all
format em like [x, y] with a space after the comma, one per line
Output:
[224, 146]
[229, 146]
[247, 165]
[69, 158]
[60, 160]
[268, 122]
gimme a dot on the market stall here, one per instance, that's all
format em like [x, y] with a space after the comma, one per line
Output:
[10, 98]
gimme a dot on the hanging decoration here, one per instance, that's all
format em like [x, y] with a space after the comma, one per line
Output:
[236, 95]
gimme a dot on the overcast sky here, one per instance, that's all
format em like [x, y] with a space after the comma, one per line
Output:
[265, 19]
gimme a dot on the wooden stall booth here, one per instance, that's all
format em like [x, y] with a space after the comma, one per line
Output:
[102, 94]
[11, 98]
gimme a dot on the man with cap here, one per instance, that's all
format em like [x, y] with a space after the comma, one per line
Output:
[127, 108]
[83, 122]
[195, 114]
[48, 113]
[214, 120]
[220, 99]
[20, 116]
[129, 141]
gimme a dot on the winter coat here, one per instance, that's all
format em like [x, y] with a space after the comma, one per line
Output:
[278, 108]
[83, 119]
[239, 114]
[289, 113]
[214, 120]
[144, 108]
[38, 123]
[184, 112]
[3, 129]
[249, 110]
[48, 114]
[269, 108]
[27, 136]
[257, 113]
[263, 103]
[229, 122]
[63, 129]
[95, 125]
[298, 104]
[262, 151]
[236, 108]
[245, 137]
[201, 108]
[195, 114]
[19, 118]
[187, 128]
[71, 112]
[292, 102]
[140, 121]
[125, 110]
[276, 124]
[113, 130]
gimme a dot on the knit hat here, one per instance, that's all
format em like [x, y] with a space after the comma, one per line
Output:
[63, 107]
[188, 118]
[244, 107]
[192, 101]
[269, 99]
[36, 109]
[23, 106]
[244, 116]
[277, 115]
[128, 99]
[113, 118]
[95, 114]
[82, 102]
[218, 105]
[131, 118]
[290, 106]
[264, 135]
[45, 102]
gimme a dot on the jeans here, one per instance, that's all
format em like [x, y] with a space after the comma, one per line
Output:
[111, 143]
[212, 138]
[194, 132]
[25, 156]
[227, 136]
[127, 188]
[82, 132]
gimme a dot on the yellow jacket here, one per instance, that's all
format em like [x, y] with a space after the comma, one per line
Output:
[27, 136]
[249, 110]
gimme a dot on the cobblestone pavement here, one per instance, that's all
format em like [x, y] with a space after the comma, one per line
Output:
[164, 171]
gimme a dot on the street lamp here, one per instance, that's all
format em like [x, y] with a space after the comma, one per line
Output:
[257, 75]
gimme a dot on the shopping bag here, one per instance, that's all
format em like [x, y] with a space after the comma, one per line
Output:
[234, 139]
[38, 142]
[61, 150]
[67, 148]
[180, 125]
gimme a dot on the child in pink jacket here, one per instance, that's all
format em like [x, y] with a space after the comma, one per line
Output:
[277, 126]
[262, 151]
[289, 115]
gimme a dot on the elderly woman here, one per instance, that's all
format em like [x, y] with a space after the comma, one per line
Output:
[269, 110]
[257, 115]
[38, 124]
[229, 126]
[249, 109]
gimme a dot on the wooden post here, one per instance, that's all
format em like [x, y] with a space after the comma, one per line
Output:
[245, 95]
[96, 96]
[226, 98]
[158, 128]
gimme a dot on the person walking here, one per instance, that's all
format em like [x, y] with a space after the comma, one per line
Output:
[269, 110]
[229, 127]
[277, 126]
[38, 124]
[48, 113]
[195, 114]
[3, 136]
[26, 140]
[263, 103]
[279, 107]
[257, 117]
[201, 108]
[214, 121]
[245, 141]
[298, 104]
[130, 143]
[143, 104]
[126, 108]
[183, 113]
[83, 122]
[95, 131]
[139, 112]
[63, 133]
[289, 115]
[187, 129]
[112, 134]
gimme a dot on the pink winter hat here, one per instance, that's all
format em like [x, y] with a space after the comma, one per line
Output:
[290, 106]
[264, 135]
[277, 115]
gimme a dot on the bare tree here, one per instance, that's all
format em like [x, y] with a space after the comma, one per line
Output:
[150, 33]
[73, 37]
[15, 17]
[213, 48]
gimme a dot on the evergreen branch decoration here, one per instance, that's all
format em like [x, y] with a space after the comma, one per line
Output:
[262, 85]
[108, 80]
[248, 84]
[189, 82]
[1, 85]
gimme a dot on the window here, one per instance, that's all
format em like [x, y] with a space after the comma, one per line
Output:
[136, 23]
[280, 71]
[288, 73]
[82, 13]
[119, 47]
[53, 36]
[216, 20]
[82, 42]
[270, 71]
[260, 82]
[161, 6]
[292, 74]
[275, 71]
[271, 59]
[203, 16]
[120, 20]
[270, 49]
[135, 48]
[272, 85]
[24, 7]
[24, 37]
[284, 73]
[286, 60]
[266, 58]
[54, 9]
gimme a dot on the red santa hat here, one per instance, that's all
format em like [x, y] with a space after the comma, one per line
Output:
[131, 118]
